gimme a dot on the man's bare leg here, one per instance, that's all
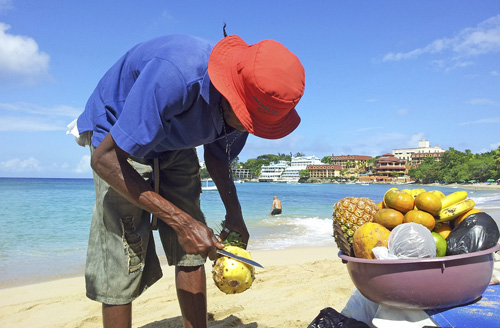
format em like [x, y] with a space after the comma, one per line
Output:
[192, 295]
[117, 316]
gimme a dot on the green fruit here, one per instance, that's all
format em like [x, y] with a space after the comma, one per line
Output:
[440, 244]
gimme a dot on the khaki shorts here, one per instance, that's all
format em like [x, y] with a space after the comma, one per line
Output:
[121, 258]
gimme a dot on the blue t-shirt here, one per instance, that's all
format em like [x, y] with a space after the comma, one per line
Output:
[157, 98]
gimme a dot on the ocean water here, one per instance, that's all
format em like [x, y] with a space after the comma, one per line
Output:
[45, 222]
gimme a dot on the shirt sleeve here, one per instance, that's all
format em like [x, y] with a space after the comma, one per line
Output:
[218, 147]
[145, 120]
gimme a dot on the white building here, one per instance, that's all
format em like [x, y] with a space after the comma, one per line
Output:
[273, 171]
[423, 148]
[291, 173]
[242, 174]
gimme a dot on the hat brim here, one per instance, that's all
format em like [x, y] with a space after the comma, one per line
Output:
[222, 62]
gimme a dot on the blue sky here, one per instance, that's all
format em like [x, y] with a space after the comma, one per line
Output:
[379, 74]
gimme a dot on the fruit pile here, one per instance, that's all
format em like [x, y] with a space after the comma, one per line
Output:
[360, 224]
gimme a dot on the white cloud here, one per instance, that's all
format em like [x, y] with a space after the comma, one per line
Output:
[472, 41]
[5, 5]
[166, 15]
[289, 143]
[31, 124]
[368, 129]
[18, 165]
[482, 101]
[414, 139]
[84, 165]
[27, 108]
[32, 117]
[33, 167]
[20, 59]
[491, 120]
[402, 111]
[375, 145]
[451, 64]
[256, 146]
[318, 146]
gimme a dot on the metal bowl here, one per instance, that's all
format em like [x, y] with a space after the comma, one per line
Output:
[430, 283]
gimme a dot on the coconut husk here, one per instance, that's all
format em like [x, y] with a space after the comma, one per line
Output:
[341, 240]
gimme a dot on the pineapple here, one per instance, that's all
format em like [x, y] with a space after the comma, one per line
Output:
[232, 276]
[349, 214]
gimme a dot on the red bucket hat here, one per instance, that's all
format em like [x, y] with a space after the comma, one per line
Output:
[262, 82]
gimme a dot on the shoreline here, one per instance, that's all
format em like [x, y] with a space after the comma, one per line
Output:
[310, 279]
[478, 186]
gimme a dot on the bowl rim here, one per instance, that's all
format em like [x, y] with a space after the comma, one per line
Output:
[347, 258]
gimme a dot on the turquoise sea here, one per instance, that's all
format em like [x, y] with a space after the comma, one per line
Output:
[45, 222]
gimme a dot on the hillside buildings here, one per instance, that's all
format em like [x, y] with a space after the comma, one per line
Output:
[273, 171]
[243, 174]
[390, 168]
[291, 173]
[347, 162]
[284, 171]
[322, 171]
[415, 156]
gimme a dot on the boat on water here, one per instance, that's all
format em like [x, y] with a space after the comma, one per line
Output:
[207, 187]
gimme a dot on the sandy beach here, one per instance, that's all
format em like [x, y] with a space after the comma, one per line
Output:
[290, 291]
[293, 287]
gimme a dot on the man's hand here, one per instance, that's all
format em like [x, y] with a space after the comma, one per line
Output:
[239, 228]
[110, 163]
[196, 238]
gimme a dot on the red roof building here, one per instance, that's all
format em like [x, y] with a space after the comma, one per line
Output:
[390, 166]
[349, 162]
[324, 170]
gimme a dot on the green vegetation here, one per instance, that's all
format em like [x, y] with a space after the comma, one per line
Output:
[204, 174]
[304, 173]
[327, 159]
[460, 167]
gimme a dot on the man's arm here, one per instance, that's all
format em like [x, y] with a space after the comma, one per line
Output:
[110, 163]
[219, 172]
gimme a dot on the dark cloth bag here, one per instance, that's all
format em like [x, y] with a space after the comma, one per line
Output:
[329, 318]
